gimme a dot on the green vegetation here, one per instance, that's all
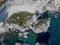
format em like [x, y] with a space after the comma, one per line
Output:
[11, 38]
[19, 18]
[40, 22]
[2, 2]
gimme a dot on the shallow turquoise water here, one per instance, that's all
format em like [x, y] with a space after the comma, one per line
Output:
[54, 29]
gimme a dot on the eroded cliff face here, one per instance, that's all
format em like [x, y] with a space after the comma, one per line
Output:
[41, 5]
[51, 5]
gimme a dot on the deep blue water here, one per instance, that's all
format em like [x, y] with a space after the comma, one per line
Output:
[43, 37]
[54, 29]
[3, 14]
[3, 17]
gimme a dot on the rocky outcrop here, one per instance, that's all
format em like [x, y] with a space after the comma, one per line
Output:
[2, 7]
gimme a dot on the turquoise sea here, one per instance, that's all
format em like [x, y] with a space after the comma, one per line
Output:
[54, 29]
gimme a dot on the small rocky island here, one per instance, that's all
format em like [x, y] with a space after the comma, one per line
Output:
[28, 22]
[23, 29]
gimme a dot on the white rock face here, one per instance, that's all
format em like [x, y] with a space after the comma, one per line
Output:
[2, 30]
[1, 24]
[30, 5]
[1, 7]
[53, 5]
